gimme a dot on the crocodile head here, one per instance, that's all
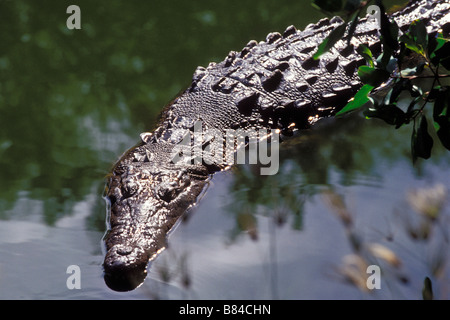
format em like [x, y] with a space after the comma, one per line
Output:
[146, 196]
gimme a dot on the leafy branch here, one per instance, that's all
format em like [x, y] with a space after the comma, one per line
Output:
[431, 54]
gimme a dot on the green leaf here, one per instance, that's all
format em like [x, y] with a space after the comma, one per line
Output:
[411, 44]
[390, 113]
[329, 41]
[366, 53]
[443, 132]
[416, 39]
[419, 33]
[386, 61]
[372, 76]
[410, 112]
[441, 103]
[435, 93]
[352, 28]
[446, 63]
[328, 5]
[389, 38]
[360, 98]
[441, 116]
[435, 42]
[421, 141]
[415, 91]
[434, 45]
[388, 30]
[442, 54]
[394, 91]
[393, 95]
[409, 72]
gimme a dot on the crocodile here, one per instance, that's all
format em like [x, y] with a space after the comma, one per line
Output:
[274, 84]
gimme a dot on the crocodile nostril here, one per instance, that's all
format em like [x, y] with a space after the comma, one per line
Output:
[124, 250]
[167, 194]
[125, 267]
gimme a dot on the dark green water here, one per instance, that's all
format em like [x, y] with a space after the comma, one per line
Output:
[71, 101]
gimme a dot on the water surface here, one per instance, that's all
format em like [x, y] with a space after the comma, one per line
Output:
[71, 101]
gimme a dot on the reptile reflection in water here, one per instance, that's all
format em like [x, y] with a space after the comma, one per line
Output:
[275, 84]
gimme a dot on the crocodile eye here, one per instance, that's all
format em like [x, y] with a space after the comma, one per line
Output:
[120, 169]
[129, 188]
[167, 194]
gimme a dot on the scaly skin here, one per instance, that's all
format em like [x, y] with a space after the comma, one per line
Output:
[273, 84]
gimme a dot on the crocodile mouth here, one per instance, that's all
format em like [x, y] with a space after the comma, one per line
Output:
[125, 267]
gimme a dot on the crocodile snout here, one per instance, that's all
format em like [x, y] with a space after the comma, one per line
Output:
[125, 267]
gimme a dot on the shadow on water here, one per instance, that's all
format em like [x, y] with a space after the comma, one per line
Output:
[336, 209]
[72, 101]
[323, 166]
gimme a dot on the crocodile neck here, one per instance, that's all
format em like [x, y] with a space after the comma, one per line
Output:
[274, 84]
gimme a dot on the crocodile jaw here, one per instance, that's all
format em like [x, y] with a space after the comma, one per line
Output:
[145, 201]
